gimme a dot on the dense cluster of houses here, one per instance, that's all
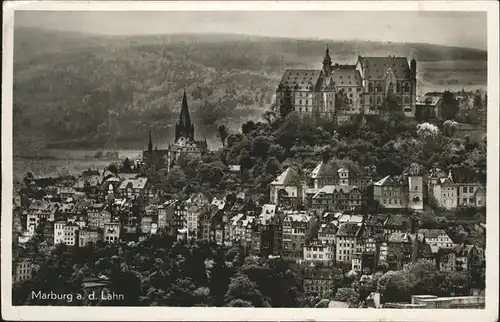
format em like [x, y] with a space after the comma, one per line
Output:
[329, 187]
[316, 220]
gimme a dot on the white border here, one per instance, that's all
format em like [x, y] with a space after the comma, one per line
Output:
[232, 314]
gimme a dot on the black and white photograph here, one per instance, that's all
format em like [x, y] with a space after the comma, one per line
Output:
[206, 158]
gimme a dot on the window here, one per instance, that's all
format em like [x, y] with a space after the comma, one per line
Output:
[471, 200]
[465, 189]
[471, 189]
[465, 201]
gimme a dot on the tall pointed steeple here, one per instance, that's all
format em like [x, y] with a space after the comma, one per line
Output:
[184, 127]
[327, 62]
[150, 143]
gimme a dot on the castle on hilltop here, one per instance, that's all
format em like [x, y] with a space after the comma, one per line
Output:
[184, 143]
[337, 92]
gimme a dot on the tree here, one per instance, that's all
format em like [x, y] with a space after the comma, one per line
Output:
[127, 166]
[260, 146]
[269, 116]
[112, 168]
[176, 177]
[222, 133]
[450, 127]
[394, 286]
[241, 288]
[427, 131]
[449, 107]
[347, 295]
[248, 127]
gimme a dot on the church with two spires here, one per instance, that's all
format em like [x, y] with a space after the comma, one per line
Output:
[184, 143]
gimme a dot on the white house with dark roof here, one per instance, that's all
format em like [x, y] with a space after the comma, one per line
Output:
[288, 189]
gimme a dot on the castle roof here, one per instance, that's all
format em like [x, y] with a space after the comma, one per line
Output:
[300, 79]
[377, 67]
[347, 76]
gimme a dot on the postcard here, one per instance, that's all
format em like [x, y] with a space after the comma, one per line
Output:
[236, 161]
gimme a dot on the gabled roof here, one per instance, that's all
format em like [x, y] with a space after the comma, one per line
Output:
[324, 169]
[428, 100]
[377, 67]
[388, 181]
[331, 189]
[268, 210]
[138, 183]
[397, 220]
[349, 229]
[480, 190]
[446, 182]
[289, 177]
[347, 76]
[298, 217]
[432, 233]
[399, 237]
[299, 79]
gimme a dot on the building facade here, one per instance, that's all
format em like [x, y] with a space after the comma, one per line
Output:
[338, 91]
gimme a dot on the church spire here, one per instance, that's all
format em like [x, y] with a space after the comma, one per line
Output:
[184, 128]
[150, 143]
[327, 61]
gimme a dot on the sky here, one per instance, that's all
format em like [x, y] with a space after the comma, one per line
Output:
[463, 29]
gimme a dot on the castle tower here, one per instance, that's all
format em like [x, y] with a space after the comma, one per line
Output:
[327, 63]
[184, 128]
[413, 77]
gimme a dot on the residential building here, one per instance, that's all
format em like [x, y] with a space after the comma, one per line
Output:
[399, 250]
[342, 197]
[437, 238]
[445, 192]
[131, 188]
[466, 256]
[111, 232]
[288, 190]
[88, 235]
[327, 233]
[319, 252]
[330, 174]
[467, 193]
[364, 262]
[446, 260]
[429, 106]
[296, 227]
[166, 216]
[205, 221]
[347, 242]
[146, 224]
[97, 217]
[390, 193]
[66, 233]
[22, 269]
[318, 282]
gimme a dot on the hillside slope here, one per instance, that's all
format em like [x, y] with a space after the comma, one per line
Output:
[78, 90]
